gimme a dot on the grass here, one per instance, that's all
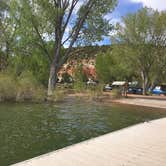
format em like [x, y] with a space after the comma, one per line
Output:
[25, 87]
[22, 88]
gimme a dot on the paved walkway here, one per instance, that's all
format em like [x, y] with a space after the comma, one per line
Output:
[140, 145]
[149, 101]
[155, 97]
[156, 103]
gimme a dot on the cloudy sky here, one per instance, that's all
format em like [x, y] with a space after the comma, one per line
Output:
[130, 6]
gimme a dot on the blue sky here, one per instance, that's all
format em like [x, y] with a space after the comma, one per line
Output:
[131, 6]
[123, 8]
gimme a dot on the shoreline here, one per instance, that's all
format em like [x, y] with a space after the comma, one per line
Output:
[136, 100]
[146, 101]
[107, 99]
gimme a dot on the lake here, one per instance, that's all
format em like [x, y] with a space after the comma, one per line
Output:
[28, 130]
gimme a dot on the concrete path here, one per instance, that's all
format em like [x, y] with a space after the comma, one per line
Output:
[140, 145]
[156, 103]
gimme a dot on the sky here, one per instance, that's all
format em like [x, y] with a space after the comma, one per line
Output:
[131, 6]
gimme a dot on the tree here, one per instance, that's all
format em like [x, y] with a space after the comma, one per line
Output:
[4, 42]
[112, 65]
[8, 30]
[159, 40]
[144, 40]
[103, 67]
[64, 22]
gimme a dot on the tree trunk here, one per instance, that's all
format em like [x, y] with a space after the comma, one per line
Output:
[144, 82]
[144, 87]
[52, 80]
[59, 32]
[54, 70]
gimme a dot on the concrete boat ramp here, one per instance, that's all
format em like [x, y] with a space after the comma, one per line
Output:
[140, 145]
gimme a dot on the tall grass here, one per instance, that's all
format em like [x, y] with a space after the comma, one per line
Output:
[116, 93]
[22, 88]
[79, 86]
[8, 87]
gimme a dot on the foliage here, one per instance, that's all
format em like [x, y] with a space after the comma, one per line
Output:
[112, 65]
[34, 63]
[88, 51]
[22, 88]
[96, 26]
[103, 63]
[8, 87]
[57, 96]
[34, 33]
[67, 78]
[79, 75]
[143, 39]
[96, 92]
[60, 22]
[116, 93]
[29, 88]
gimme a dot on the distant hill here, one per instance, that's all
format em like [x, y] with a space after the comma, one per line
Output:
[88, 51]
[84, 56]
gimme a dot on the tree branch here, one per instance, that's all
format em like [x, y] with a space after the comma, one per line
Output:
[78, 26]
[41, 39]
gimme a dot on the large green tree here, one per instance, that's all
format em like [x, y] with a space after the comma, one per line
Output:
[7, 30]
[144, 40]
[113, 65]
[65, 23]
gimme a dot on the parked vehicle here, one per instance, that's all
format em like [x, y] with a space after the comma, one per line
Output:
[118, 84]
[91, 82]
[135, 90]
[159, 90]
[107, 87]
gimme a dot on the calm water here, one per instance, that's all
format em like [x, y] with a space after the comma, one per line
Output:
[28, 130]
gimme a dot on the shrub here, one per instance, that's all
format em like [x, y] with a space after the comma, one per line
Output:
[29, 88]
[79, 86]
[57, 96]
[8, 87]
[116, 93]
[22, 88]
[95, 92]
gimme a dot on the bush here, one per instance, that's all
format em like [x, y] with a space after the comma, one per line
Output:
[116, 93]
[29, 88]
[80, 80]
[79, 86]
[95, 92]
[8, 87]
[22, 88]
[57, 96]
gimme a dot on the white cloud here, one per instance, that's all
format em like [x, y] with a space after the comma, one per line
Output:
[155, 4]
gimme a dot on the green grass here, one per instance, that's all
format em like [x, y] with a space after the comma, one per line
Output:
[21, 88]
